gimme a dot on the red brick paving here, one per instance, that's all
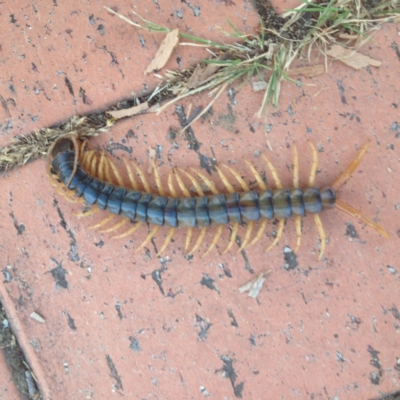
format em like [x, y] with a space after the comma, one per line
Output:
[324, 330]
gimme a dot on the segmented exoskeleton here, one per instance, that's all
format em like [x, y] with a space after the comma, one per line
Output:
[89, 178]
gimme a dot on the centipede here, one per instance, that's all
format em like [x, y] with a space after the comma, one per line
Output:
[81, 174]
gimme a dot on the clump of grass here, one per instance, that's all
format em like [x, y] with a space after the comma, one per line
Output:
[269, 53]
[346, 22]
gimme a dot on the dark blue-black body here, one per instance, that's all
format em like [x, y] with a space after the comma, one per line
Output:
[217, 209]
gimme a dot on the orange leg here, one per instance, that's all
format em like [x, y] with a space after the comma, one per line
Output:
[116, 226]
[246, 239]
[116, 173]
[322, 235]
[311, 183]
[215, 240]
[349, 210]
[167, 241]
[346, 175]
[103, 222]
[260, 232]
[129, 231]
[278, 234]
[232, 239]
[148, 237]
[297, 218]
[131, 176]
[199, 240]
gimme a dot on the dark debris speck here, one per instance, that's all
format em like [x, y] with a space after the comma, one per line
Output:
[134, 345]
[59, 274]
[290, 258]
[208, 282]
[351, 231]
[229, 372]
[71, 322]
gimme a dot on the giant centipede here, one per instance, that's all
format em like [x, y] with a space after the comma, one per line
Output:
[79, 172]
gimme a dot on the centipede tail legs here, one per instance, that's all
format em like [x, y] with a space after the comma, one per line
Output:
[347, 209]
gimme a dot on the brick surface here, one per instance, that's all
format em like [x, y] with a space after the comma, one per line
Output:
[120, 322]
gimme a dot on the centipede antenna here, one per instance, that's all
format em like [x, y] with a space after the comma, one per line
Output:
[116, 226]
[148, 237]
[131, 175]
[142, 178]
[167, 241]
[188, 238]
[260, 232]
[357, 214]
[246, 239]
[314, 166]
[215, 240]
[194, 181]
[232, 239]
[279, 231]
[181, 185]
[116, 173]
[129, 231]
[321, 233]
[278, 183]
[199, 240]
[171, 187]
[242, 183]
[225, 181]
[208, 182]
[261, 183]
[103, 222]
[346, 175]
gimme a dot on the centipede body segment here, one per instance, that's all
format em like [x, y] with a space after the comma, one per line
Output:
[89, 177]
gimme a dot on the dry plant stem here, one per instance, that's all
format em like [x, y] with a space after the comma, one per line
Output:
[24, 149]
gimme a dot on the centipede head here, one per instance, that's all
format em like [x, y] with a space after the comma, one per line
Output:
[62, 145]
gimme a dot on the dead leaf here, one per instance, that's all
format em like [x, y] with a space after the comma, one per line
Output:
[255, 285]
[164, 52]
[202, 72]
[129, 112]
[309, 71]
[352, 58]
